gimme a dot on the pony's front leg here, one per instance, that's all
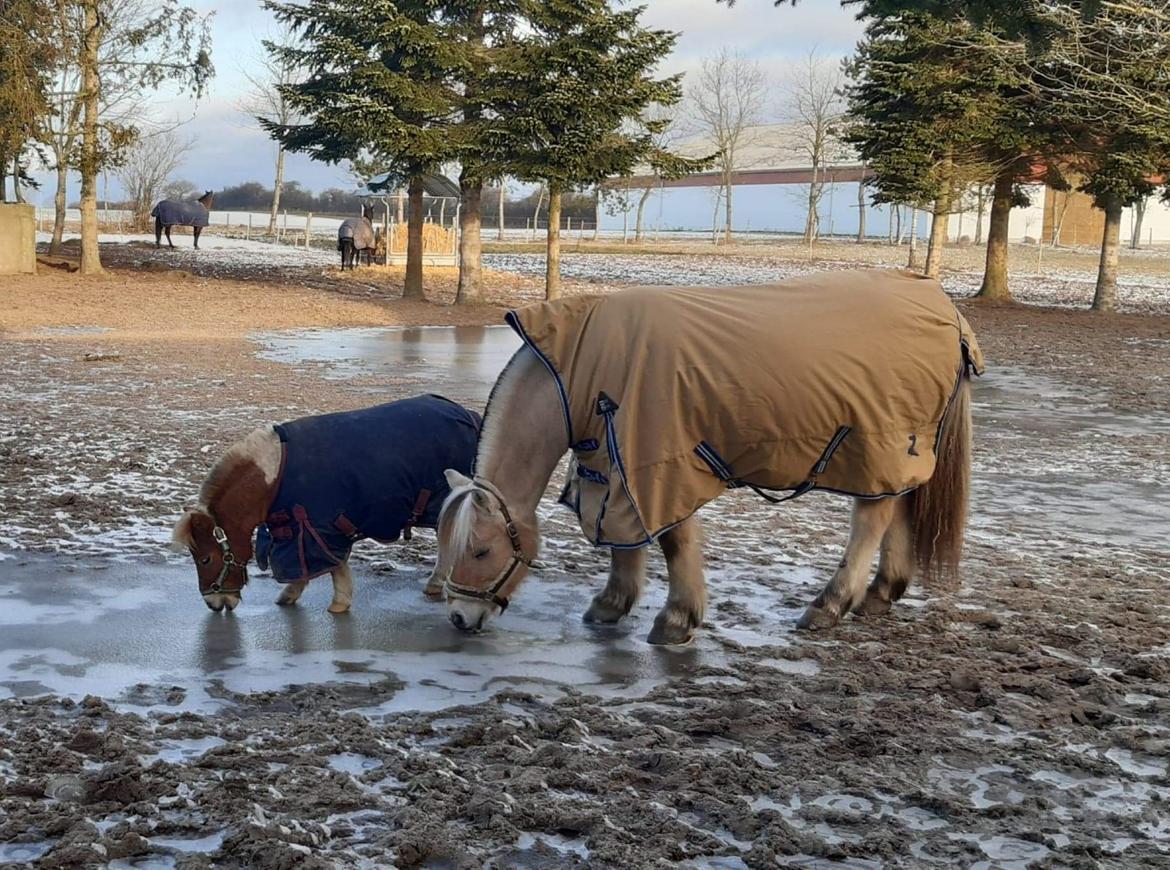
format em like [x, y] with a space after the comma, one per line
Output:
[687, 599]
[342, 589]
[437, 582]
[896, 563]
[845, 590]
[627, 576]
[291, 593]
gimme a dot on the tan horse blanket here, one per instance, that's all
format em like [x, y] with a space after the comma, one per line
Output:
[836, 381]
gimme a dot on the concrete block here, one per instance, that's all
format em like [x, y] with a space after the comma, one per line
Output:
[18, 239]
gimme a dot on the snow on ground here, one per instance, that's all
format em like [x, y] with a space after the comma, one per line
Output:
[223, 250]
[1144, 294]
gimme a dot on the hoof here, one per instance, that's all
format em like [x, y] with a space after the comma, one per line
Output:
[671, 630]
[873, 605]
[603, 613]
[335, 607]
[285, 602]
[816, 619]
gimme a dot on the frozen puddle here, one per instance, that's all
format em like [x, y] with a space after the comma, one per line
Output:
[153, 645]
[436, 357]
[210, 843]
[182, 751]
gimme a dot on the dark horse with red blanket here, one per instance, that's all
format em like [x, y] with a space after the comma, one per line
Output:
[172, 212]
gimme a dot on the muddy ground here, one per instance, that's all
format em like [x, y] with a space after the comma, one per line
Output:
[1023, 720]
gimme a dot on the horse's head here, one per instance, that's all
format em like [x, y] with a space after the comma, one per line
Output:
[206, 200]
[221, 556]
[489, 549]
[368, 212]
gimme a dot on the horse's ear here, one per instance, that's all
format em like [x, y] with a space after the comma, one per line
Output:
[193, 521]
[456, 479]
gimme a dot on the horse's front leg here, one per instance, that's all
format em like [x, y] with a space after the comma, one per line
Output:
[342, 589]
[158, 230]
[627, 576]
[198, 230]
[687, 599]
[846, 589]
[896, 563]
[168, 231]
[291, 593]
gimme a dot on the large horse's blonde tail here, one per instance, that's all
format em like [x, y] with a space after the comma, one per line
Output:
[940, 504]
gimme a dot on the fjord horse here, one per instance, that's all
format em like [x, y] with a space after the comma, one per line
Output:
[489, 535]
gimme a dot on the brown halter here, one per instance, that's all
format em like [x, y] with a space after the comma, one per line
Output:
[229, 562]
[492, 590]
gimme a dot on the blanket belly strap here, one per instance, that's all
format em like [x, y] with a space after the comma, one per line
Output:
[723, 471]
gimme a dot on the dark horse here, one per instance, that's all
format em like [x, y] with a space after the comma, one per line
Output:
[172, 212]
[356, 235]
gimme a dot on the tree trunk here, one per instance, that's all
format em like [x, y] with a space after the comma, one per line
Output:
[91, 263]
[897, 240]
[727, 209]
[413, 289]
[401, 206]
[980, 202]
[811, 218]
[17, 195]
[536, 214]
[596, 212]
[3, 178]
[995, 272]
[1139, 214]
[552, 280]
[500, 219]
[912, 261]
[470, 247]
[1105, 297]
[938, 233]
[861, 211]
[641, 209]
[59, 209]
[277, 188]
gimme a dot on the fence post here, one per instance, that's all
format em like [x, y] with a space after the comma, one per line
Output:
[248, 234]
[284, 225]
[308, 226]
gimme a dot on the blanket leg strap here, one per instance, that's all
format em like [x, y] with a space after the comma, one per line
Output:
[420, 506]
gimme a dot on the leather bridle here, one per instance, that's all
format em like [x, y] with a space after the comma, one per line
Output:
[491, 592]
[229, 562]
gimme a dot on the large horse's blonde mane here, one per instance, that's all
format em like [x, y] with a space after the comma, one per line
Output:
[457, 519]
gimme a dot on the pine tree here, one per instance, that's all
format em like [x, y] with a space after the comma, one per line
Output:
[567, 98]
[382, 83]
[935, 105]
[26, 54]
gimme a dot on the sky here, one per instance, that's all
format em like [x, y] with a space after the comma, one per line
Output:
[228, 148]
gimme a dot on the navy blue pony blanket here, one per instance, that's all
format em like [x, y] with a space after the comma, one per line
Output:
[374, 473]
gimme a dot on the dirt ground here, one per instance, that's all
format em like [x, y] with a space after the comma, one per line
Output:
[1022, 721]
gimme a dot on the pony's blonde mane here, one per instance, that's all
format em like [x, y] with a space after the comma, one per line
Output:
[503, 392]
[261, 447]
[457, 519]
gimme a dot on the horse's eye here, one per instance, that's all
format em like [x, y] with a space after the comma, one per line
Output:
[479, 554]
[206, 560]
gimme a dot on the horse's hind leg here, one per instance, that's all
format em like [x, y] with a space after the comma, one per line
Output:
[291, 593]
[158, 232]
[846, 589]
[687, 599]
[198, 230]
[627, 576]
[168, 230]
[342, 589]
[896, 563]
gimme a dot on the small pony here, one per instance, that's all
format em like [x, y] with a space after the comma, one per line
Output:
[172, 212]
[315, 486]
[356, 235]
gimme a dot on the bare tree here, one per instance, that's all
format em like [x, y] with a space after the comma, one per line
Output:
[726, 101]
[815, 107]
[147, 167]
[151, 44]
[266, 99]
